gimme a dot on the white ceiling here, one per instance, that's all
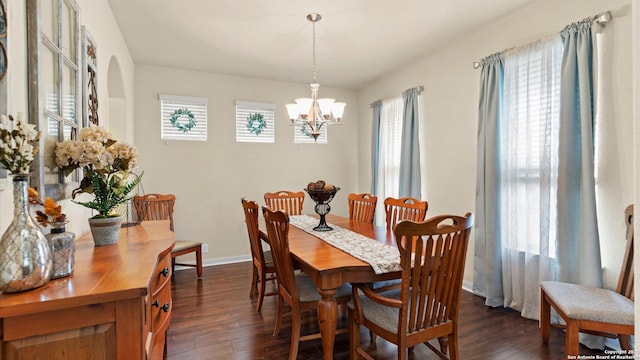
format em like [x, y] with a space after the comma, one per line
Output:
[356, 40]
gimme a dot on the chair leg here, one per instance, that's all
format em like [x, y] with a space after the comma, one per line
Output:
[276, 326]
[444, 344]
[403, 350]
[173, 265]
[199, 262]
[261, 290]
[296, 327]
[545, 318]
[571, 343]
[625, 341]
[354, 335]
[254, 282]
[453, 344]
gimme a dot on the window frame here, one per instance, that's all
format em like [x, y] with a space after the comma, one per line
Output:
[199, 104]
[268, 111]
[37, 114]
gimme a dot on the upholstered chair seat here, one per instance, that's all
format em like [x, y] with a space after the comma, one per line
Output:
[603, 305]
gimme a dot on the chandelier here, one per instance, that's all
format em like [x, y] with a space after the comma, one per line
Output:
[313, 113]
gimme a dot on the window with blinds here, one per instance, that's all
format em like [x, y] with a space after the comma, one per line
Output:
[183, 117]
[529, 138]
[391, 114]
[255, 122]
[301, 135]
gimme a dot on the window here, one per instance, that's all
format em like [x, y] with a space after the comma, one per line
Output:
[183, 118]
[54, 86]
[529, 147]
[255, 122]
[301, 135]
[389, 158]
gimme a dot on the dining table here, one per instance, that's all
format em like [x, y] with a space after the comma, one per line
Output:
[330, 267]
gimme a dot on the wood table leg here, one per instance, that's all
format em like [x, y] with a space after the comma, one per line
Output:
[328, 320]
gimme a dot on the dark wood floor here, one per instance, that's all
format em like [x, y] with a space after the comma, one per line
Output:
[214, 318]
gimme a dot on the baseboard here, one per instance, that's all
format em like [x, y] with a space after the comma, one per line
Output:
[467, 286]
[218, 261]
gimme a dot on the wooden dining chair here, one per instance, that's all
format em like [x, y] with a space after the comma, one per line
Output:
[160, 207]
[294, 287]
[287, 201]
[592, 310]
[362, 207]
[426, 306]
[263, 267]
[406, 208]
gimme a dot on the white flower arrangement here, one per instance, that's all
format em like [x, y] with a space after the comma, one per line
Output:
[18, 144]
[107, 165]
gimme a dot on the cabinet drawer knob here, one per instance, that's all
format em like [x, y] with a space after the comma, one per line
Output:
[165, 307]
[165, 271]
[156, 303]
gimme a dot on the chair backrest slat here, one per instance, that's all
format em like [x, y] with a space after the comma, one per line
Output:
[151, 207]
[625, 281]
[432, 255]
[362, 207]
[404, 209]
[287, 201]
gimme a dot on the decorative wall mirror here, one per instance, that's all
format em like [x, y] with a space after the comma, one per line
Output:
[54, 94]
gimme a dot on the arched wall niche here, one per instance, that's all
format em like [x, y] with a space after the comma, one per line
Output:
[116, 107]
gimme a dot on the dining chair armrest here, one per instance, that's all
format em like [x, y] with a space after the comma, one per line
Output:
[377, 297]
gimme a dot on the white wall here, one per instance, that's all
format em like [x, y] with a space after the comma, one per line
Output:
[450, 102]
[209, 178]
[97, 16]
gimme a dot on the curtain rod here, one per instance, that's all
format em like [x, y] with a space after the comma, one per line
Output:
[420, 89]
[601, 19]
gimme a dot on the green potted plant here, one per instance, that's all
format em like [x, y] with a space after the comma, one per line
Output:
[108, 175]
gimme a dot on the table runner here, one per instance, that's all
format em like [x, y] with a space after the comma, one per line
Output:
[383, 258]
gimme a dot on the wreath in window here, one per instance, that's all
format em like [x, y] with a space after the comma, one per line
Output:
[183, 126]
[256, 123]
[305, 129]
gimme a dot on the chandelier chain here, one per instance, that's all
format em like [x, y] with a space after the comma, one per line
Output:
[314, 52]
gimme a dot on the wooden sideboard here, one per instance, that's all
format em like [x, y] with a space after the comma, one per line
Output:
[116, 305]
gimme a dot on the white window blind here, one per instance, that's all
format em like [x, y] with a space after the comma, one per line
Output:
[190, 114]
[529, 147]
[255, 122]
[304, 137]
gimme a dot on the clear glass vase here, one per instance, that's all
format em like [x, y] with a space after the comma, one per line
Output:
[62, 249]
[25, 255]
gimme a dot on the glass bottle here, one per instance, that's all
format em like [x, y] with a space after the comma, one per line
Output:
[25, 255]
[62, 249]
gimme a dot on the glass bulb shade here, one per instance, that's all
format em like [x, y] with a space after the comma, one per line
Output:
[338, 109]
[326, 105]
[292, 109]
[304, 105]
